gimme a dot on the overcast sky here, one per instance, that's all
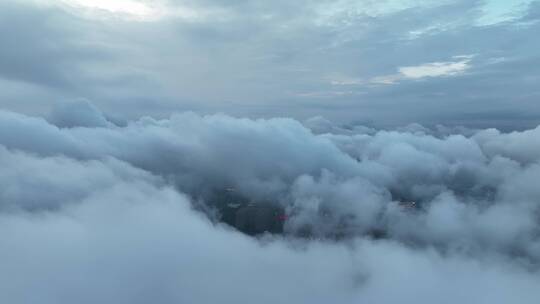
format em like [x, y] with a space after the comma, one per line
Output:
[384, 63]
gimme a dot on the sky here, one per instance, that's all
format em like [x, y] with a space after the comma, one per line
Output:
[400, 139]
[383, 63]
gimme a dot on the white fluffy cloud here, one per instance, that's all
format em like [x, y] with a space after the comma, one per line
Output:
[431, 69]
[103, 213]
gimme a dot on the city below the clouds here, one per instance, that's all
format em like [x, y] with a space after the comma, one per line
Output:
[246, 151]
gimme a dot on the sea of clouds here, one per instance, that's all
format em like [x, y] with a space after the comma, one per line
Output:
[98, 210]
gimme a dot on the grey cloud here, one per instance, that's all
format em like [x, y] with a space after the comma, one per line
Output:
[279, 59]
[420, 190]
[135, 240]
[55, 181]
[79, 113]
[176, 143]
[347, 182]
[515, 145]
[534, 11]
[43, 46]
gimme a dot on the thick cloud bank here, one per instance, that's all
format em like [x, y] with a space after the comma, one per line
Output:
[93, 212]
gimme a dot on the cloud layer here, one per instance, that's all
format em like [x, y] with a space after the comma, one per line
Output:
[391, 62]
[91, 211]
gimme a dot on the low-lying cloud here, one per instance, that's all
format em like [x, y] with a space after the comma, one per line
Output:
[93, 211]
